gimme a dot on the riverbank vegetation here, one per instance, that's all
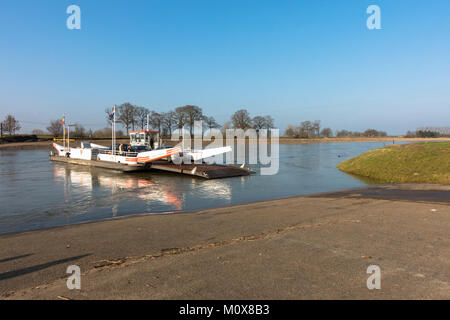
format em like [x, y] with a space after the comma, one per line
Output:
[312, 130]
[131, 117]
[427, 162]
[435, 132]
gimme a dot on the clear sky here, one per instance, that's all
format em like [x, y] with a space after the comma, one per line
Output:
[295, 60]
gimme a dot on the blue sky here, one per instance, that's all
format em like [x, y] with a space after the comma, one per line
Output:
[295, 60]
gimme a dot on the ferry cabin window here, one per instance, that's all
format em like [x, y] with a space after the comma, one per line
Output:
[136, 137]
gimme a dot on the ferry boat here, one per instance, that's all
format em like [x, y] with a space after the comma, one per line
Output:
[145, 151]
[144, 148]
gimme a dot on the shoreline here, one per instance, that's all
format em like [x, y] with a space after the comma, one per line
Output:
[43, 145]
[408, 186]
[407, 163]
[294, 248]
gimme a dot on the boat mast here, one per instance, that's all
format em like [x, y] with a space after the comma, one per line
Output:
[64, 132]
[113, 136]
[68, 135]
[68, 138]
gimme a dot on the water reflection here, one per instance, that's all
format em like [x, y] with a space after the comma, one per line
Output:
[36, 193]
[80, 182]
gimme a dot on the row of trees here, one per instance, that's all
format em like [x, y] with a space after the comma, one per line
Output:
[133, 117]
[369, 133]
[77, 131]
[307, 130]
[427, 134]
[241, 120]
[312, 129]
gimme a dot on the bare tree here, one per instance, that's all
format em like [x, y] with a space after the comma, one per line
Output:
[305, 130]
[326, 132]
[291, 132]
[38, 132]
[225, 127]
[374, 133]
[269, 123]
[316, 128]
[134, 117]
[79, 131]
[179, 118]
[141, 116]
[258, 122]
[108, 112]
[127, 115]
[192, 114]
[10, 124]
[241, 119]
[55, 128]
[210, 122]
[168, 121]
[342, 133]
[411, 134]
[156, 121]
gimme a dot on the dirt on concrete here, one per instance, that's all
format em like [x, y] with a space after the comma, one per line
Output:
[309, 247]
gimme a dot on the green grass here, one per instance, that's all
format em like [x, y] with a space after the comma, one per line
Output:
[427, 162]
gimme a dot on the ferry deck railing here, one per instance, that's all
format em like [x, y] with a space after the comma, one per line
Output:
[119, 153]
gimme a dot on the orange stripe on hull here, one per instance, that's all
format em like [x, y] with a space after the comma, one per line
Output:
[147, 159]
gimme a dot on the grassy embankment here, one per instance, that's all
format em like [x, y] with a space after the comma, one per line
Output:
[427, 162]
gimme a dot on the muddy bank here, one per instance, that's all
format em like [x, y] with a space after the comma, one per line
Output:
[310, 247]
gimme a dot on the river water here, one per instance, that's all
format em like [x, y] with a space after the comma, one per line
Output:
[36, 193]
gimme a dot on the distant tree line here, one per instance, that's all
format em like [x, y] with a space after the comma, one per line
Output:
[369, 133]
[312, 129]
[308, 130]
[77, 131]
[429, 133]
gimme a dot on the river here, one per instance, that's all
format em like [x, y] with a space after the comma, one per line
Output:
[36, 193]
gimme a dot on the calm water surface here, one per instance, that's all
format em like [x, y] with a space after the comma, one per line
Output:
[35, 193]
